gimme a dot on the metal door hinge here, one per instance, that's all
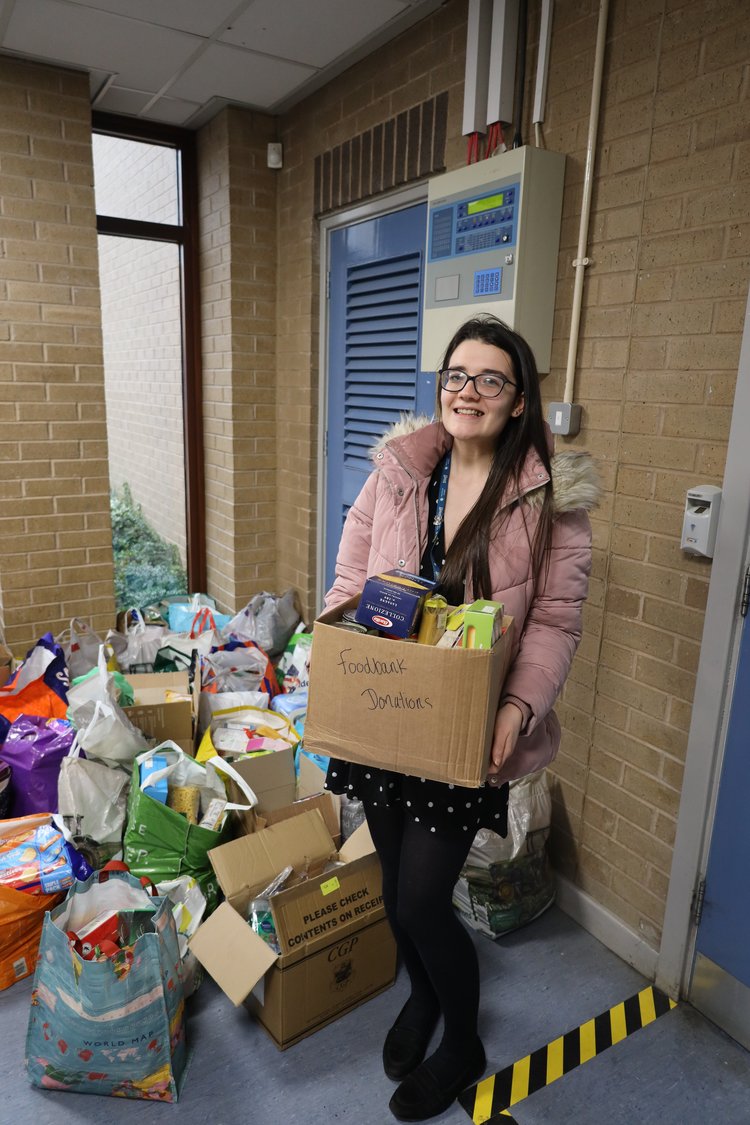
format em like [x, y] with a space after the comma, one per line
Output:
[698, 900]
[328, 285]
[325, 443]
[745, 602]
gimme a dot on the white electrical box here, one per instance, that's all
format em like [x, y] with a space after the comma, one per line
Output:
[701, 520]
[493, 235]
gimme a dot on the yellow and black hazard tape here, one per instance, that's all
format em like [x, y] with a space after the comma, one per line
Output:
[492, 1098]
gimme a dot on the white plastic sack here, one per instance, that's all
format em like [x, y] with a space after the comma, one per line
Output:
[143, 643]
[210, 701]
[237, 669]
[80, 644]
[107, 734]
[267, 619]
[529, 812]
[92, 798]
[186, 645]
[100, 688]
[188, 908]
[293, 669]
[507, 882]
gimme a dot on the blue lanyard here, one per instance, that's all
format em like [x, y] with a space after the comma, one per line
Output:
[438, 521]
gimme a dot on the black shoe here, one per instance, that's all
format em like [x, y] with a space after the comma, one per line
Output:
[422, 1095]
[405, 1047]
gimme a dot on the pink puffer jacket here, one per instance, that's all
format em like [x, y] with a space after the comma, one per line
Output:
[386, 528]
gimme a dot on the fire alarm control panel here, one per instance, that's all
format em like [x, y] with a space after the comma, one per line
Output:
[493, 235]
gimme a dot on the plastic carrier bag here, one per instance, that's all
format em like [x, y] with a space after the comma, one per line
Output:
[39, 686]
[34, 749]
[505, 883]
[161, 842]
[100, 683]
[194, 617]
[106, 734]
[209, 703]
[240, 731]
[80, 644]
[267, 619]
[114, 1025]
[92, 798]
[28, 889]
[142, 642]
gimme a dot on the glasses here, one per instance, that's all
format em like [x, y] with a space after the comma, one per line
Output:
[488, 386]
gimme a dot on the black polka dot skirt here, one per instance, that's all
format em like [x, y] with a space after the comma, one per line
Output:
[438, 805]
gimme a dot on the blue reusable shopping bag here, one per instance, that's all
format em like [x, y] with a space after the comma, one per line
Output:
[194, 620]
[115, 1026]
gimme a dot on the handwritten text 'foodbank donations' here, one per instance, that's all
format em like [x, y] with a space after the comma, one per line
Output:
[376, 699]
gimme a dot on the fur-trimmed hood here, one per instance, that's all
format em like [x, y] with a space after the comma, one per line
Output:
[575, 480]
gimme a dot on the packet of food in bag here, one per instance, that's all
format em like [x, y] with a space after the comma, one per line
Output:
[35, 860]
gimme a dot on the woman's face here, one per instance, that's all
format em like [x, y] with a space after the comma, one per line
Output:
[469, 416]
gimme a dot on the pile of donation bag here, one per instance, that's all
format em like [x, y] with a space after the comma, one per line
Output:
[161, 801]
[153, 744]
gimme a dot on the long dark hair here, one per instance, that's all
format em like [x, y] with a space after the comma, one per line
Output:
[468, 554]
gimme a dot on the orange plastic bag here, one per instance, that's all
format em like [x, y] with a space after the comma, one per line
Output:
[21, 916]
[39, 686]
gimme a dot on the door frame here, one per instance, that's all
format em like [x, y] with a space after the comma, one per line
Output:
[372, 209]
[713, 696]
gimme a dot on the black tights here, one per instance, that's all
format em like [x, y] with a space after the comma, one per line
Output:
[420, 869]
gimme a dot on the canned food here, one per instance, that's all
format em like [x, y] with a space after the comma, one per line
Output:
[350, 626]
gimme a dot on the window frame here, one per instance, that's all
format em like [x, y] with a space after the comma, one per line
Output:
[183, 234]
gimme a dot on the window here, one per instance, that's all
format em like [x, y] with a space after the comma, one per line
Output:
[146, 218]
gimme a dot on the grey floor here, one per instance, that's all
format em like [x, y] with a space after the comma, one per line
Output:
[537, 984]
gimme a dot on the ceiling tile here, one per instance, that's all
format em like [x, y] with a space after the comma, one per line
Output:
[241, 76]
[172, 111]
[312, 33]
[119, 100]
[200, 17]
[143, 57]
[275, 52]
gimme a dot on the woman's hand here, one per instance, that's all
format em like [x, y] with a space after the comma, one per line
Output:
[508, 724]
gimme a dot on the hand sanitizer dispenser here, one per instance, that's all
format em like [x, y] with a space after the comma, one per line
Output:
[701, 519]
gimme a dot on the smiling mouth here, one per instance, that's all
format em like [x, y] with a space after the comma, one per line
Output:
[468, 412]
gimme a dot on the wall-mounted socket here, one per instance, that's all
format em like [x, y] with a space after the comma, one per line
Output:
[564, 418]
[275, 155]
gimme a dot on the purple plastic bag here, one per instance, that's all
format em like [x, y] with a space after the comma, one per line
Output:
[34, 749]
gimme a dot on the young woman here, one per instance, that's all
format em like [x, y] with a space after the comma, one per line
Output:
[476, 500]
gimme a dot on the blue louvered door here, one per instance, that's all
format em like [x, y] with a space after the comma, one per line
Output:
[376, 277]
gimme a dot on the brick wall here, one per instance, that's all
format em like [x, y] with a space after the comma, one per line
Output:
[659, 347]
[238, 279]
[55, 536]
[661, 332]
